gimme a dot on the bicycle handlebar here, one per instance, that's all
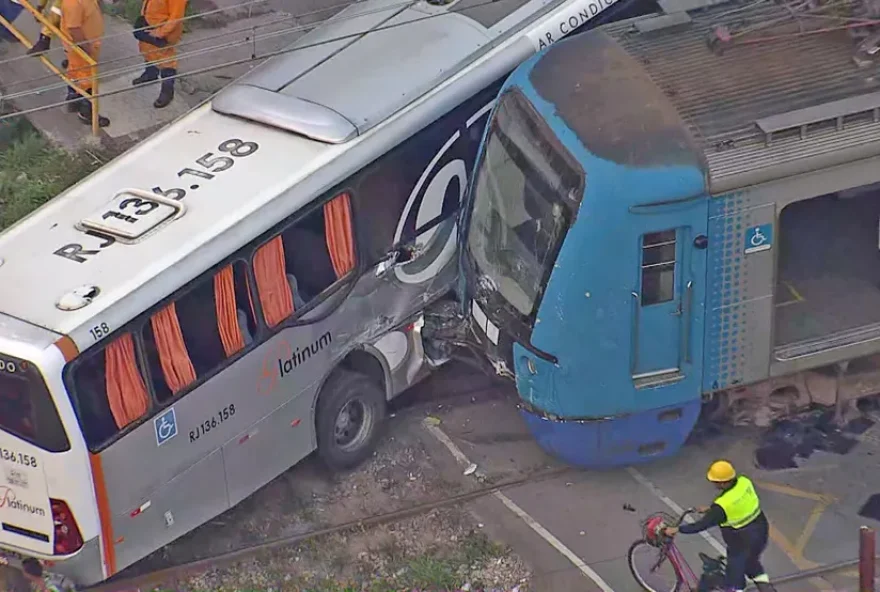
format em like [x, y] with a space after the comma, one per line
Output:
[687, 512]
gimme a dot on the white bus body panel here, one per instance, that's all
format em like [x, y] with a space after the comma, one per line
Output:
[64, 476]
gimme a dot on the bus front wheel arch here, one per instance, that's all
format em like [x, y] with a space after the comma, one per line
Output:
[348, 420]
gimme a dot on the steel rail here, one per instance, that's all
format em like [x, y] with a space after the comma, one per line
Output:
[176, 571]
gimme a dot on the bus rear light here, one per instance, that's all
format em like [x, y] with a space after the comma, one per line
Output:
[68, 538]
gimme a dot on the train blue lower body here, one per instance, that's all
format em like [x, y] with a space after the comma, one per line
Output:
[635, 438]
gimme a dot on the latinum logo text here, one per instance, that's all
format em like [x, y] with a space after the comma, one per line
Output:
[8, 500]
[301, 356]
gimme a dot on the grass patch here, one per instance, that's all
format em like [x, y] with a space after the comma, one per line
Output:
[431, 573]
[32, 171]
[127, 10]
[428, 570]
[478, 547]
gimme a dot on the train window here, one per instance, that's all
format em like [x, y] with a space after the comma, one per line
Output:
[305, 259]
[109, 390]
[191, 337]
[658, 267]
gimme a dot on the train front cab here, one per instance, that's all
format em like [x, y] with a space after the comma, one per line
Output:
[584, 255]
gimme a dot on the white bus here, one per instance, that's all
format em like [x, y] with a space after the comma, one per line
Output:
[247, 285]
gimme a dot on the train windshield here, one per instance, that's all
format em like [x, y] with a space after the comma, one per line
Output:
[524, 190]
[26, 408]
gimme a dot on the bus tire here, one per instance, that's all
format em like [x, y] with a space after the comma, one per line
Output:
[351, 408]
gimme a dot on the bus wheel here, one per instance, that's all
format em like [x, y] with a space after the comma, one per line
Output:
[351, 408]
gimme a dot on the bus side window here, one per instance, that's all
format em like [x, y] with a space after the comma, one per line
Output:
[194, 335]
[110, 391]
[305, 259]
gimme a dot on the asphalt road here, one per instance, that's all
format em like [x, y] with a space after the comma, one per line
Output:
[576, 529]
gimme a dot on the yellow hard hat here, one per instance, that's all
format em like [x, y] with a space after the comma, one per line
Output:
[721, 471]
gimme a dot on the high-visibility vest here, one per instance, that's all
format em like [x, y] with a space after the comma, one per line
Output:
[740, 504]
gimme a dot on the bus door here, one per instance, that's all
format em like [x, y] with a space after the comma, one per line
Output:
[664, 301]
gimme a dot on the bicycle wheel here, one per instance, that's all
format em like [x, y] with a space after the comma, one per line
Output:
[652, 568]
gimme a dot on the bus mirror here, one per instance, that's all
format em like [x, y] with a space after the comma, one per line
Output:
[398, 256]
[387, 263]
[701, 242]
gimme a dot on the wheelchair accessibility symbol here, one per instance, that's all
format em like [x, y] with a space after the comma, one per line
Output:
[758, 238]
[166, 426]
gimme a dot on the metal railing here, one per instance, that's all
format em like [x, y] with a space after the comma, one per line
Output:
[69, 46]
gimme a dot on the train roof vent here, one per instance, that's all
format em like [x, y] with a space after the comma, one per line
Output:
[673, 6]
[662, 22]
[675, 14]
[832, 111]
[285, 112]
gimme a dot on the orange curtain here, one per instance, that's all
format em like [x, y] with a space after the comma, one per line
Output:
[227, 312]
[173, 357]
[126, 391]
[337, 227]
[272, 286]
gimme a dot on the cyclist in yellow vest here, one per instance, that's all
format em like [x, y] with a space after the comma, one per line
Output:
[744, 528]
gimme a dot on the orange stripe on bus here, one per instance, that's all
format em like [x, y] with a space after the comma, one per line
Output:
[67, 348]
[104, 514]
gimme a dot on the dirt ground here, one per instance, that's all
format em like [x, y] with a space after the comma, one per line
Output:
[445, 549]
[441, 550]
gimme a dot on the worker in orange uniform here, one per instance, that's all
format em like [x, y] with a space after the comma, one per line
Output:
[158, 30]
[83, 22]
[53, 15]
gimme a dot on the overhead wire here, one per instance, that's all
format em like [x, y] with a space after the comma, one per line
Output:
[113, 73]
[238, 61]
[202, 14]
[201, 40]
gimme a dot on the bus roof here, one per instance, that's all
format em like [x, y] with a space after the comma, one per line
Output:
[746, 101]
[46, 257]
[411, 48]
[307, 111]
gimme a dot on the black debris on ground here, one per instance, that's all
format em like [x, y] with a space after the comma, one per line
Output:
[871, 508]
[799, 437]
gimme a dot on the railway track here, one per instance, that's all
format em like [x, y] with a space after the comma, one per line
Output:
[786, 583]
[444, 393]
[446, 389]
[127, 584]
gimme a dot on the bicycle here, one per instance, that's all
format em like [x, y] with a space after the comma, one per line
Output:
[669, 571]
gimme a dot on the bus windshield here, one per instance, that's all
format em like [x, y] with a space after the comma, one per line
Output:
[522, 194]
[26, 408]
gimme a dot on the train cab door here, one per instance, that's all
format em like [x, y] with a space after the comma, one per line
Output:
[666, 297]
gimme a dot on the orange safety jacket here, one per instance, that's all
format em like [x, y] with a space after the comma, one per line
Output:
[165, 16]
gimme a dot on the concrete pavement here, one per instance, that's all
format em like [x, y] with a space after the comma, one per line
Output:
[245, 29]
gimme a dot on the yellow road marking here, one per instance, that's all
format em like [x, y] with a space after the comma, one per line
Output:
[799, 560]
[789, 549]
[795, 293]
[807, 532]
[795, 492]
[795, 551]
